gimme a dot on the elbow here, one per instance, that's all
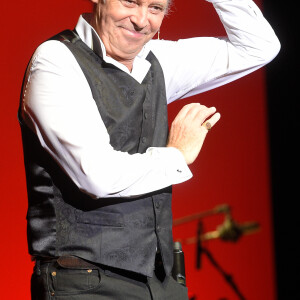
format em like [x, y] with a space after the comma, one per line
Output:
[102, 188]
[274, 49]
[96, 182]
[270, 51]
[96, 191]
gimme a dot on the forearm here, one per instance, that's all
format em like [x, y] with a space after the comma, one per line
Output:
[248, 32]
[195, 65]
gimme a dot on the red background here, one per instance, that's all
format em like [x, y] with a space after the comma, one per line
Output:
[233, 167]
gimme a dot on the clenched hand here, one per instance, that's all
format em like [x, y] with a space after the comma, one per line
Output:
[188, 130]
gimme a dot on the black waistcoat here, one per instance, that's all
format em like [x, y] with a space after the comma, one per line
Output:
[122, 233]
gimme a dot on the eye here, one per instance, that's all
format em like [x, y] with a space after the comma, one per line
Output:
[156, 9]
[129, 3]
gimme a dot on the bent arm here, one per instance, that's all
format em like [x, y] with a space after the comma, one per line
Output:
[58, 106]
[192, 66]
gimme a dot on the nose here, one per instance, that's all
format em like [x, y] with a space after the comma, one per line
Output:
[140, 18]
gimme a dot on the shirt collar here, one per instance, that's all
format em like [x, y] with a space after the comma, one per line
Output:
[90, 37]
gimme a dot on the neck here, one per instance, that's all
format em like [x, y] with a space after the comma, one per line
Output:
[113, 53]
[128, 63]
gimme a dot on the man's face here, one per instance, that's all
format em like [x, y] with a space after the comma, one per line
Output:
[125, 26]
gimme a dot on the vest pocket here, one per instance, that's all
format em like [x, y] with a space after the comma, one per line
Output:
[98, 217]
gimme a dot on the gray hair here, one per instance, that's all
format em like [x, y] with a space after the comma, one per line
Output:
[170, 2]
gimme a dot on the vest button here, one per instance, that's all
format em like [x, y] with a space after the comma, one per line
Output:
[145, 115]
[157, 204]
[144, 140]
[157, 228]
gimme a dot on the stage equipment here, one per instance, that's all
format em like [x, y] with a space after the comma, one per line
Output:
[229, 231]
[178, 271]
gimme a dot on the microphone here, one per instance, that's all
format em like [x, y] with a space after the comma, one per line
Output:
[178, 271]
[230, 230]
[222, 209]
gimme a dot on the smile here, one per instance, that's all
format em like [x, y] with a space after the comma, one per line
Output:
[133, 33]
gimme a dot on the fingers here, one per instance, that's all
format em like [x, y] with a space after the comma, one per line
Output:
[208, 124]
[194, 111]
[204, 113]
[199, 113]
[189, 129]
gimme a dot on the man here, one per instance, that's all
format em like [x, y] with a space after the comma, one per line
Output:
[99, 159]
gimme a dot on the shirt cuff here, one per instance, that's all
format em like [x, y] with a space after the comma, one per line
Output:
[176, 169]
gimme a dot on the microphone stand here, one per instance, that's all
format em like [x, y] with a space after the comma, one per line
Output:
[199, 245]
[228, 278]
[220, 209]
[228, 232]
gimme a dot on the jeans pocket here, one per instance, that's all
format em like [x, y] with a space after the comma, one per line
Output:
[65, 281]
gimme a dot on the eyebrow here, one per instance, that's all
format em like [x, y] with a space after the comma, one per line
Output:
[159, 3]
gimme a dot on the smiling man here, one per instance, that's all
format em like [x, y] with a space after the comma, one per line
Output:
[126, 26]
[99, 159]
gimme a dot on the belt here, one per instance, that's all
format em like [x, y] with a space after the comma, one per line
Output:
[69, 262]
[74, 262]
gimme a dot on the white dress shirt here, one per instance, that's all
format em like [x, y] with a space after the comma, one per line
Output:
[58, 104]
